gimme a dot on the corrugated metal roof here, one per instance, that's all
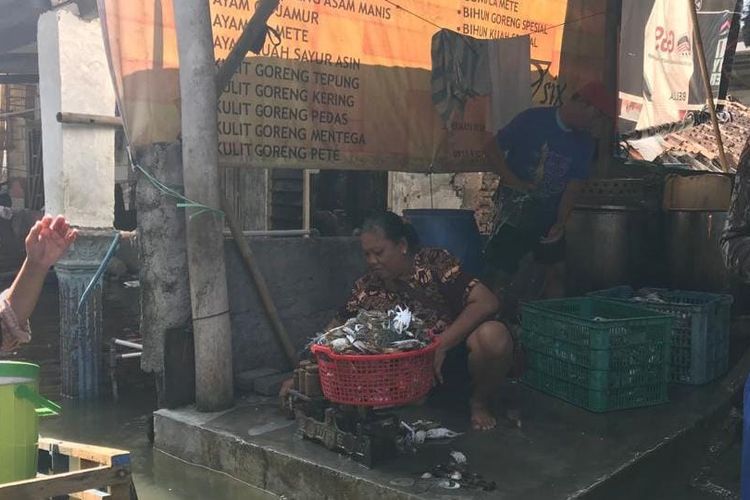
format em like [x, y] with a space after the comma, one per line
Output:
[697, 146]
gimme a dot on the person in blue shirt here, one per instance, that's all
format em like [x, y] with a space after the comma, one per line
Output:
[542, 156]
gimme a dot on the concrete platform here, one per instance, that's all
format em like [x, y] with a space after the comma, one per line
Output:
[559, 452]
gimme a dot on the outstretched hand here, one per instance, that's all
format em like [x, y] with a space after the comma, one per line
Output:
[48, 240]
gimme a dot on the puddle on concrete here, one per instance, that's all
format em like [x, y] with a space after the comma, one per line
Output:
[157, 476]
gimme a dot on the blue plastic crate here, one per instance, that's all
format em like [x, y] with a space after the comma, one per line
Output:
[700, 332]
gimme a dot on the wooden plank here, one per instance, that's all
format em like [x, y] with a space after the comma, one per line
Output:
[98, 454]
[87, 119]
[66, 483]
[76, 463]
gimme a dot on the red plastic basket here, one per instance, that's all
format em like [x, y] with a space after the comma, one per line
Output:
[378, 379]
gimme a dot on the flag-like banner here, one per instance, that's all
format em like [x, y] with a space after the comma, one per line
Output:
[660, 79]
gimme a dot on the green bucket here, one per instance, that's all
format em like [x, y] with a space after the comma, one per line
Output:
[20, 407]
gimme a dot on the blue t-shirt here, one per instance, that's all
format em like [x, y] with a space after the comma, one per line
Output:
[541, 150]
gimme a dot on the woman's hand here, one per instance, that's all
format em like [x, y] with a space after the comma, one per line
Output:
[48, 240]
[438, 364]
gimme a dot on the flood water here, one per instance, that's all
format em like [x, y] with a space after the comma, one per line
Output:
[123, 424]
[157, 476]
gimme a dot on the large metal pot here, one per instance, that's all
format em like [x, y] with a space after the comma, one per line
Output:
[694, 259]
[609, 246]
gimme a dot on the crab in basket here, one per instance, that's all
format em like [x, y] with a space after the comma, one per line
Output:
[377, 332]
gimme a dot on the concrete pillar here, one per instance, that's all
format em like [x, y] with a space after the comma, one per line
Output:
[78, 159]
[165, 289]
[81, 333]
[205, 242]
[78, 179]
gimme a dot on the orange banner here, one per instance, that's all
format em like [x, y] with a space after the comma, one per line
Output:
[346, 84]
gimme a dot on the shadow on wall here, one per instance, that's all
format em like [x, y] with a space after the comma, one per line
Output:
[309, 279]
[125, 220]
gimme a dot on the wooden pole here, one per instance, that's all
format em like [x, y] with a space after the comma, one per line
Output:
[707, 84]
[205, 243]
[86, 119]
[263, 292]
[18, 113]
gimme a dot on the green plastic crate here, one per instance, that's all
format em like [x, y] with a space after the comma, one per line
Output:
[700, 332]
[597, 354]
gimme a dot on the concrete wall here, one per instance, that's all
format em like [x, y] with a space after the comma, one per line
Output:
[471, 191]
[79, 160]
[247, 192]
[309, 278]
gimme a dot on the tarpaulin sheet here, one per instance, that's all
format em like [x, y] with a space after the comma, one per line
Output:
[346, 86]
[660, 78]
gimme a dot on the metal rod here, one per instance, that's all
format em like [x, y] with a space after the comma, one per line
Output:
[692, 119]
[249, 39]
[18, 113]
[127, 343]
[129, 355]
[707, 84]
[85, 119]
[297, 394]
[263, 292]
[306, 200]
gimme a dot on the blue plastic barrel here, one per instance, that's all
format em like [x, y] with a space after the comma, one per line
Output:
[745, 467]
[451, 229]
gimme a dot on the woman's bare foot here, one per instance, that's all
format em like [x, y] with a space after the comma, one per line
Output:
[481, 416]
